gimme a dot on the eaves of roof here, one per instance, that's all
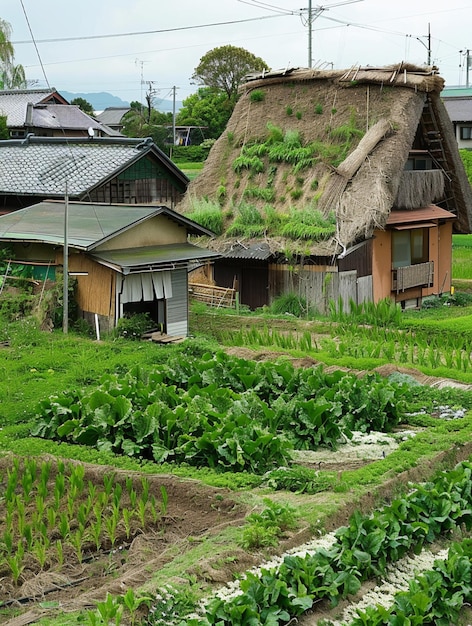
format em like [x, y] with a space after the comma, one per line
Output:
[152, 258]
[425, 214]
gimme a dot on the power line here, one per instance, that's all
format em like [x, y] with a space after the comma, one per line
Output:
[147, 32]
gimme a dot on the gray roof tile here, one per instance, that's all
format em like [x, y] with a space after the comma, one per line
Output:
[41, 166]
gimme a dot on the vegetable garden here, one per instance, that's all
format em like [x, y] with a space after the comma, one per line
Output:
[160, 473]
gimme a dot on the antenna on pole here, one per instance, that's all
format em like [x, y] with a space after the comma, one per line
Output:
[312, 14]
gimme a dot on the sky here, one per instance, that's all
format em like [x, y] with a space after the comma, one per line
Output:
[128, 48]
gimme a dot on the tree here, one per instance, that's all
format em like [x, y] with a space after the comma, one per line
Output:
[11, 76]
[208, 108]
[83, 105]
[224, 69]
[138, 122]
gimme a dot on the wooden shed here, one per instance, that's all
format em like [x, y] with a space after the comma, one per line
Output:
[126, 258]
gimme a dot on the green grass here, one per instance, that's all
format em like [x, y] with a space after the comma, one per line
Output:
[190, 169]
[462, 257]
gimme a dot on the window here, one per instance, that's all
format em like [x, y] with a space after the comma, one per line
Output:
[410, 247]
[419, 163]
[466, 132]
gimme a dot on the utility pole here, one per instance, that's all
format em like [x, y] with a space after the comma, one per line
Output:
[313, 13]
[65, 266]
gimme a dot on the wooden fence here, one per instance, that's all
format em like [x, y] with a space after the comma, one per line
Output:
[213, 295]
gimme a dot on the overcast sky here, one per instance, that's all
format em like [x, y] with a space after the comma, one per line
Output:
[120, 46]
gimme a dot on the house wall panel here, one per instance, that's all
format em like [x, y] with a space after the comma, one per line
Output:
[96, 291]
[381, 265]
[177, 306]
[159, 231]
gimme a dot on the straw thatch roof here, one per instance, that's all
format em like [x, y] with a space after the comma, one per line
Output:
[363, 122]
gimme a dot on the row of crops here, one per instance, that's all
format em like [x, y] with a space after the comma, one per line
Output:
[53, 513]
[363, 550]
[222, 411]
[452, 351]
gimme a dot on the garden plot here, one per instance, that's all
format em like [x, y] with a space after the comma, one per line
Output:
[70, 532]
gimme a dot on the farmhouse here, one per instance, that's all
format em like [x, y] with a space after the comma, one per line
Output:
[45, 113]
[100, 169]
[126, 258]
[337, 185]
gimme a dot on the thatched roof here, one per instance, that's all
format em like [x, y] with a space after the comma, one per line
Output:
[360, 125]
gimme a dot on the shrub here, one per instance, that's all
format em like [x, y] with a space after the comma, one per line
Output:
[289, 303]
[257, 95]
[208, 214]
[133, 326]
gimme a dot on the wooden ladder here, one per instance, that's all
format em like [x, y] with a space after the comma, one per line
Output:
[435, 147]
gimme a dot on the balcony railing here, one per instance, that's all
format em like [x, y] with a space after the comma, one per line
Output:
[419, 275]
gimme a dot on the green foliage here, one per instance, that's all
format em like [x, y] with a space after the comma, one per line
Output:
[275, 133]
[223, 69]
[291, 304]
[249, 222]
[133, 326]
[309, 224]
[171, 603]
[219, 411]
[289, 110]
[299, 479]
[208, 214]
[83, 105]
[466, 156]
[382, 313]
[257, 95]
[190, 154]
[208, 108]
[264, 529]
[362, 550]
[267, 194]
[318, 109]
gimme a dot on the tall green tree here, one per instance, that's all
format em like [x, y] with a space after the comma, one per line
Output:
[224, 69]
[11, 76]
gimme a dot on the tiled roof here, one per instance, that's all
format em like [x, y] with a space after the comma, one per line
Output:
[13, 103]
[112, 116]
[42, 165]
[459, 109]
[57, 116]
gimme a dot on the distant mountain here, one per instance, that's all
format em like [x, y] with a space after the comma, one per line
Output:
[102, 100]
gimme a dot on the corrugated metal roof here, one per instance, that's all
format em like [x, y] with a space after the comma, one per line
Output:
[152, 257]
[88, 224]
[41, 165]
[256, 251]
[425, 214]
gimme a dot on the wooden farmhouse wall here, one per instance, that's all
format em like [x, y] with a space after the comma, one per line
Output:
[319, 285]
[95, 290]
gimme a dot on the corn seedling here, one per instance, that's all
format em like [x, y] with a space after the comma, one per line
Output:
[127, 515]
[59, 552]
[15, 563]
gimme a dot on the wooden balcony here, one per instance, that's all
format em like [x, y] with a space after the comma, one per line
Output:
[419, 275]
